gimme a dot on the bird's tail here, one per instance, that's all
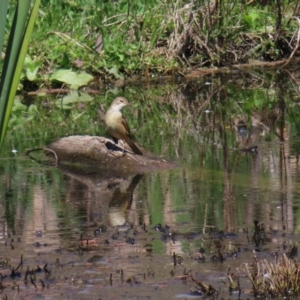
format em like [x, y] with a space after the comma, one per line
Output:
[134, 147]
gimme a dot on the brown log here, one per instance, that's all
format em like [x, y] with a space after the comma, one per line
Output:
[104, 154]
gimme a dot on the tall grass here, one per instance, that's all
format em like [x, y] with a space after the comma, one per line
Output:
[16, 49]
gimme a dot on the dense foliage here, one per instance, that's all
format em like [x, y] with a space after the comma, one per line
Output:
[117, 39]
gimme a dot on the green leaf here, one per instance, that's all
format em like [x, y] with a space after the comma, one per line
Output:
[31, 73]
[121, 56]
[67, 101]
[18, 106]
[72, 78]
[33, 110]
[114, 71]
[31, 68]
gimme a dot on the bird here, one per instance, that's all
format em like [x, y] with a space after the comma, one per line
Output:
[117, 125]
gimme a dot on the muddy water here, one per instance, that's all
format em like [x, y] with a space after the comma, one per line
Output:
[71, 235]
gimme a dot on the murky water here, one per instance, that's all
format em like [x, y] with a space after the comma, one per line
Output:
[86, 236]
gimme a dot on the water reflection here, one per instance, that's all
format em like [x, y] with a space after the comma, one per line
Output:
[40, 223]
[207, 132]
[236, 140]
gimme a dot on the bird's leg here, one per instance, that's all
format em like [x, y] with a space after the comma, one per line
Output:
[122, 145]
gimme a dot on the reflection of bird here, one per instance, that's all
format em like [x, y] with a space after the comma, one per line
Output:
[117, 126]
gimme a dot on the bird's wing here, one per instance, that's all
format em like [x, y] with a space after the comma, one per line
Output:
[124, 122]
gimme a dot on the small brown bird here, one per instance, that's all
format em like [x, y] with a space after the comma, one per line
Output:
[117, 125]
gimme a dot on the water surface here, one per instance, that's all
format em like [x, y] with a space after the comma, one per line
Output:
[236, 140]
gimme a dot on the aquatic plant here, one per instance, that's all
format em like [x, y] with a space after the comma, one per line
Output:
[279, 278]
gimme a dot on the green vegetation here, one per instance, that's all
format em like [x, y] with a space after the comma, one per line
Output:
[118, 39]
[21, 28]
